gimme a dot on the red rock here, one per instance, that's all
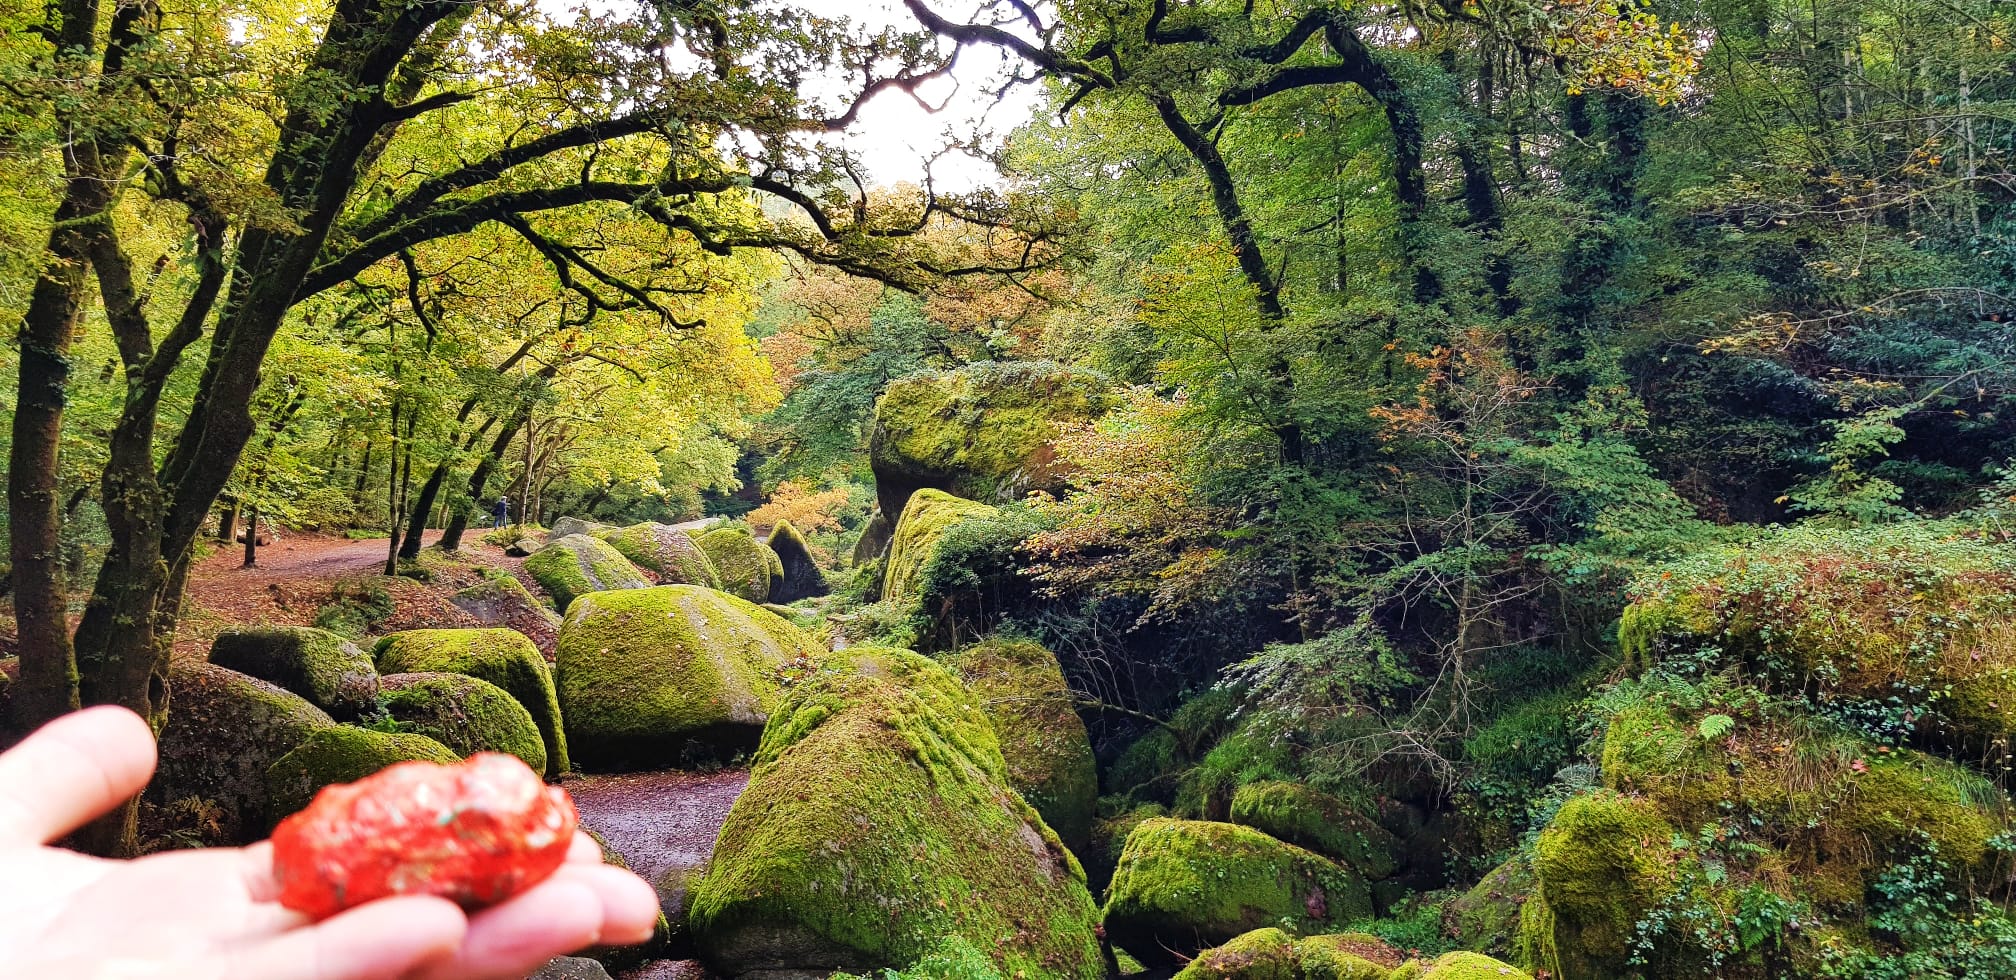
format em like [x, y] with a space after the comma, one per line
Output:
[475, 833]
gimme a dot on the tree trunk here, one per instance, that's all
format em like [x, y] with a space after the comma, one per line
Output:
[252, 536]
[423, 505]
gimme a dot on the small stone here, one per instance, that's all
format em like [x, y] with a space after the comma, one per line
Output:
[475, 833]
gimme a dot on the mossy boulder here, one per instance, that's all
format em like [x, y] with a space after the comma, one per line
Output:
[330, 671]
[874, 540]
[747, 568]
[466, 714]
[1320, 822]
[502, 657]
[878, 824]
[575, 525]
[1186, 885]
[1601, 864]
[1022, 691]
[1855, 613]
[225, 731]
[651, 677]
[924, 522]
[798, 572]
[572, 566]
[502, 600]
[1486, 918]
[667, 552]
[1471, 966]
[342, 754]
[1271, 954]
[982, 431]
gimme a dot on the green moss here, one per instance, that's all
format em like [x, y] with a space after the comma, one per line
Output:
[1349, 956]
[1021, 688]
[464, 713]
[798, 575]
[1472, 966]
[878, 823]
[572, 566]
[982, 431]
[342, 754]
[225, 731]
[503, 657]
[1486, 918]
[1601, 864]
[666, 552]
[929, 515]
[649, 675]
[1320, 822]
[318, 665]
[1905, 799]
[1647, 749]
[1870, 613]
[1263, 954]
[1189, 884]
[743, 563]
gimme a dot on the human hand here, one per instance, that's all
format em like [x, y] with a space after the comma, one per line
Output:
[214, 913]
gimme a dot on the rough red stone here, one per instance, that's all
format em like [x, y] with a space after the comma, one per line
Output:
[475, 833]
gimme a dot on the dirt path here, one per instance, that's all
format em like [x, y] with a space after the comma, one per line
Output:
[663, 824]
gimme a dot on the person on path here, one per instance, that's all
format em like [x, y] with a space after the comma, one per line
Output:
[501, 512]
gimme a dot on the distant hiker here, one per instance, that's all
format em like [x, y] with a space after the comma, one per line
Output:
[501, 512]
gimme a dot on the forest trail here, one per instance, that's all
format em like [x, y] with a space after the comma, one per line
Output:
[295, 556]
[659, 822]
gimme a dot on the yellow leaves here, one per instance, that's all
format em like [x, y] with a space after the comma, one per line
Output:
[1609, 44]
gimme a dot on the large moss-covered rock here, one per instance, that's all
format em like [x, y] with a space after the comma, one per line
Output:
[1601, 864]
[1860, 613]
[1471, 966]
[502, 600]
[799, 576]
[1185, 885]
[225, 731]
[747, 567]
[878, 824]
[466, 714]
[1021, 688]
[575, 525]
[982, 431]
[502, 657]
[573, 566]
[1486, 918]
[342, 754]
[874, 540]
[1271, 954]
[325, 668]
[1320, 822]
[651, 676]
[667, 552]
[929, 515]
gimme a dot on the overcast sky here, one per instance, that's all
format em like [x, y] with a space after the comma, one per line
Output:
[894, 134]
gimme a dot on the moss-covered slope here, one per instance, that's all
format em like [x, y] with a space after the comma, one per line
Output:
[929, 515]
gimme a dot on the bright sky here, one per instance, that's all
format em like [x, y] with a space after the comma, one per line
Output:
[894, 134]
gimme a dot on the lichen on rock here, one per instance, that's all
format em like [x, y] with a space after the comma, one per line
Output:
[878, 824]
[503, 657]
[649, 677]
[327, 669]
[667, 552]
[574, 565]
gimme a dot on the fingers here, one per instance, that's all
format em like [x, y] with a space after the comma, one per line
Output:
[581, 905]
[584, 850]
[382, 940]
[71, 770]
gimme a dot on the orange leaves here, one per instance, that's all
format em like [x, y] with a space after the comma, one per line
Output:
[808, 511]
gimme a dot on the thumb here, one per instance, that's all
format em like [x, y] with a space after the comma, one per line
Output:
[70, 771]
